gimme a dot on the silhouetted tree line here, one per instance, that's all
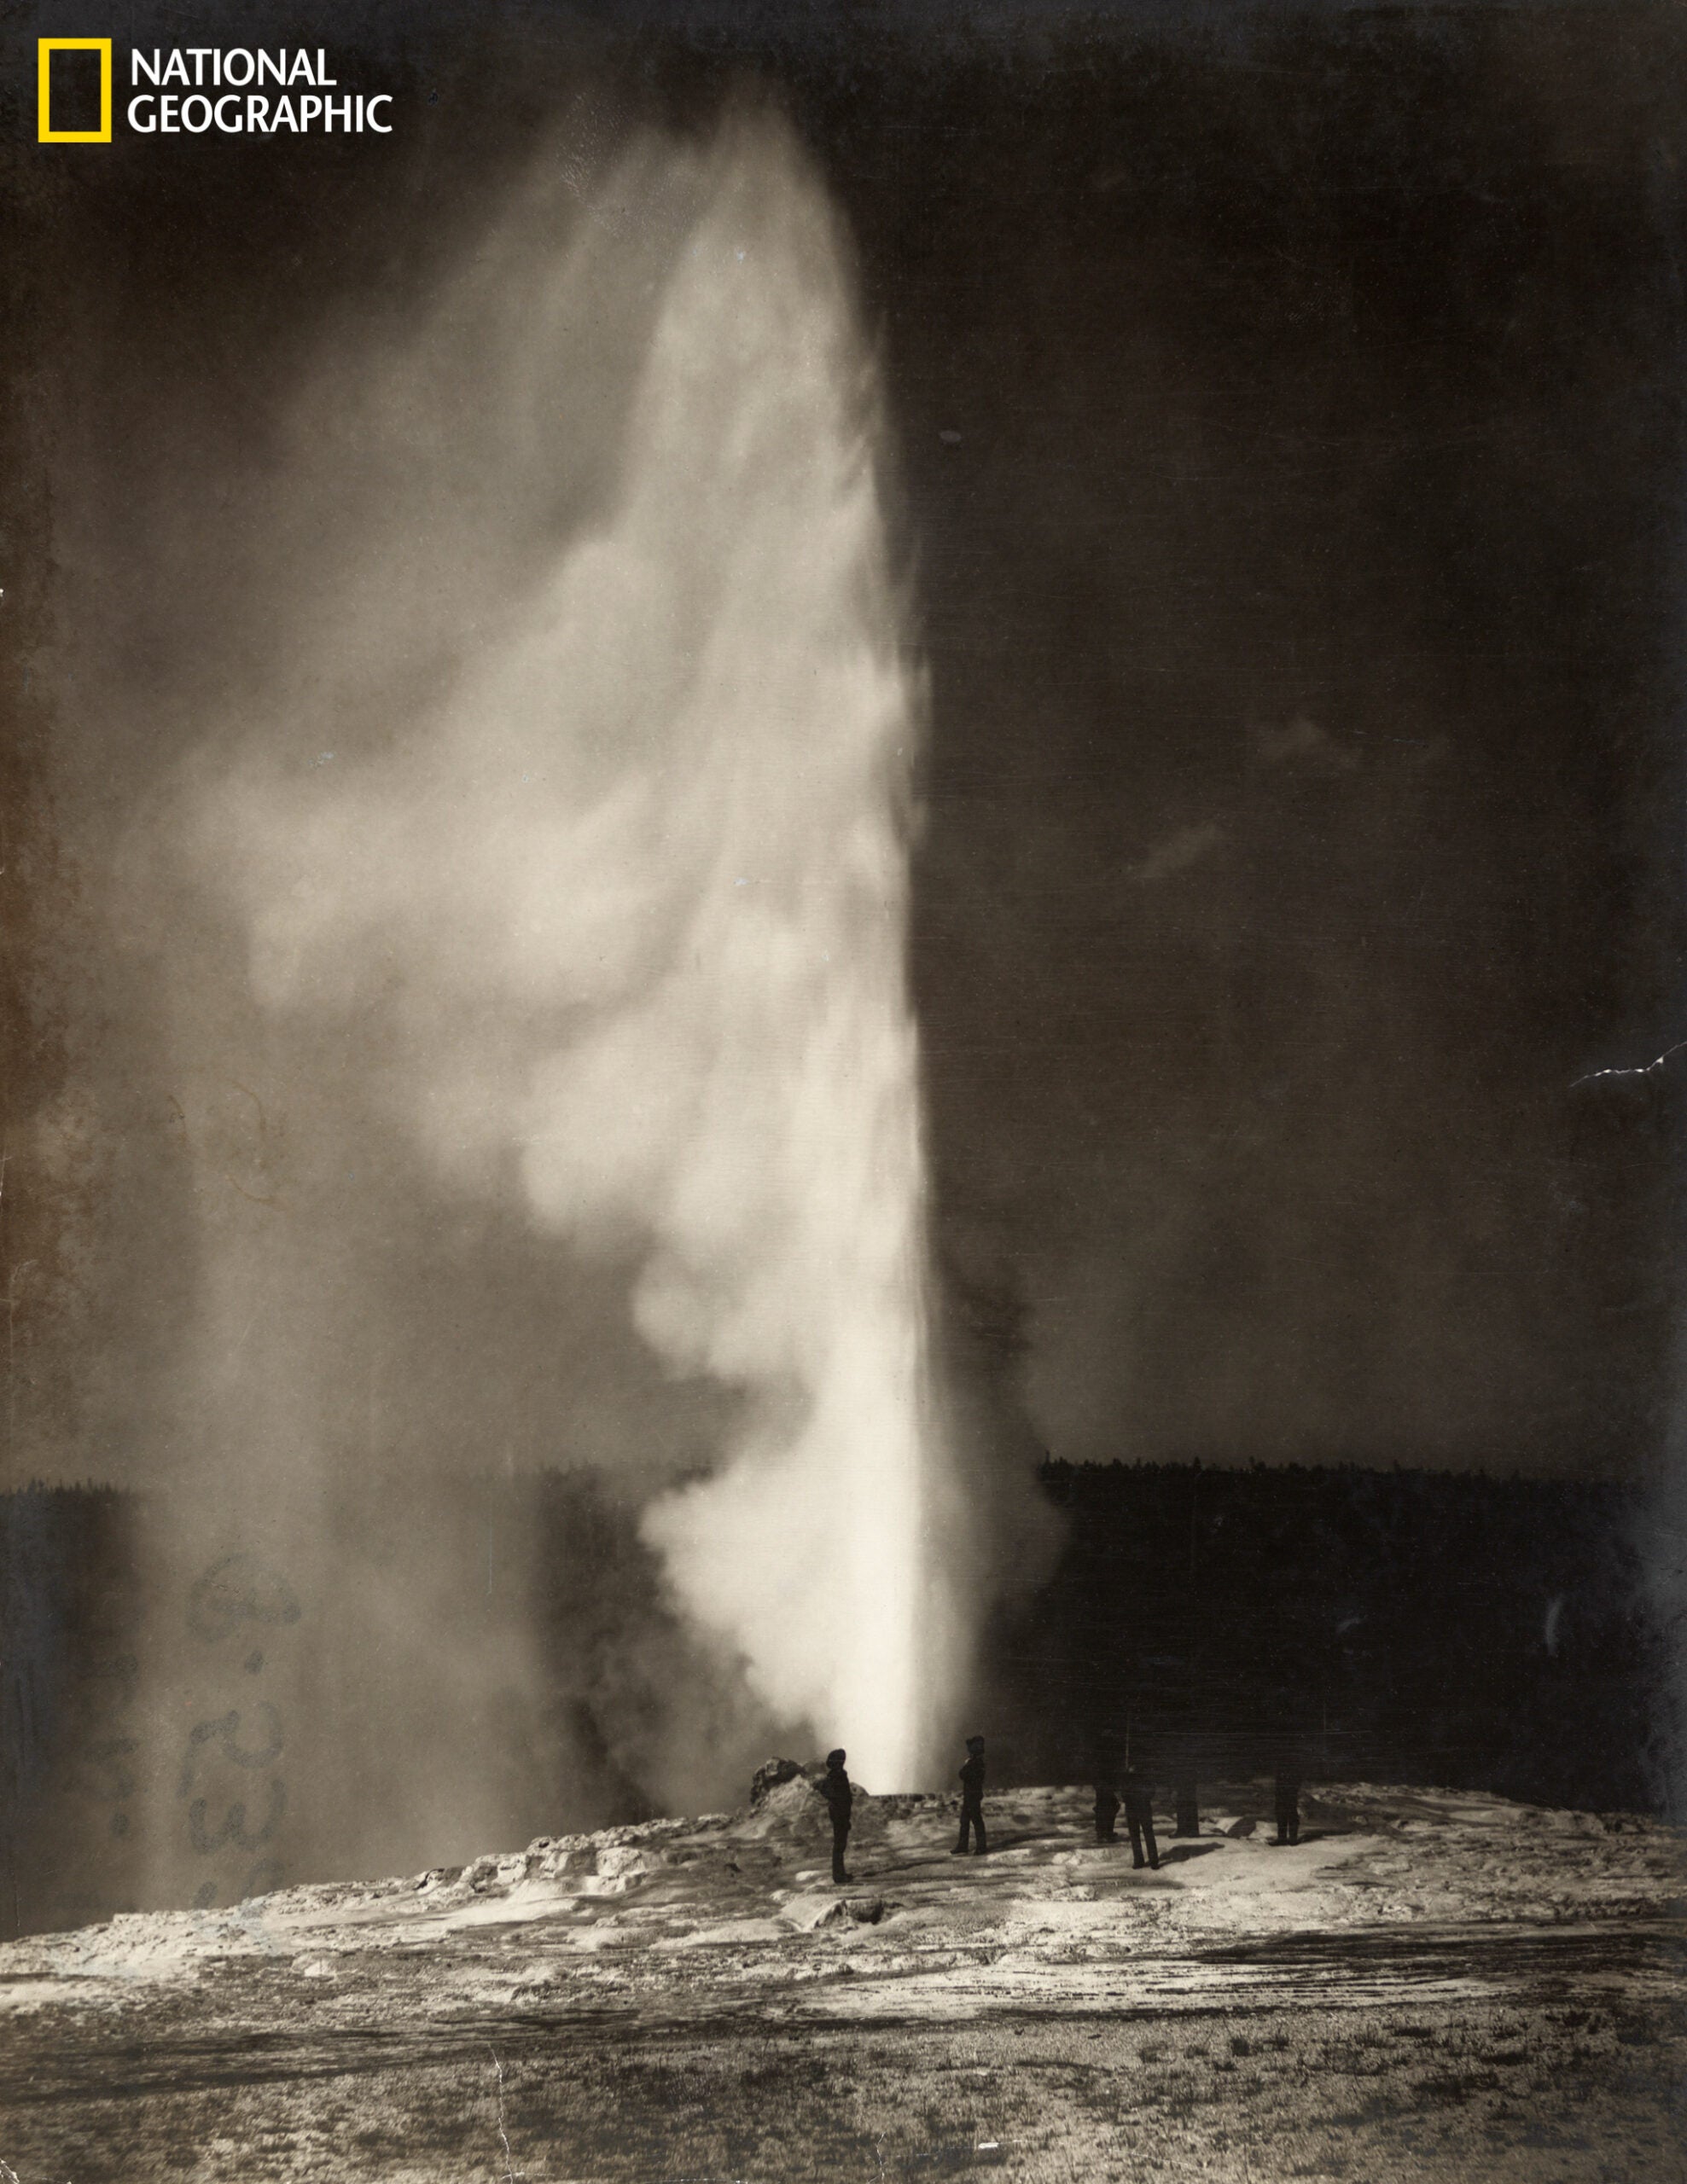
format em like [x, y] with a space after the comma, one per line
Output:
[552, 1558]
[1480, 1631]
[69, 1612]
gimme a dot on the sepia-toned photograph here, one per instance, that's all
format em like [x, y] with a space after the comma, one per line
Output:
[843, 970]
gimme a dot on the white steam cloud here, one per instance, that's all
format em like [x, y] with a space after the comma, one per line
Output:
[622, 888]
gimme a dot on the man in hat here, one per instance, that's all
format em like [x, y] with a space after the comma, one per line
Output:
[834, 1788]
[971, 1800]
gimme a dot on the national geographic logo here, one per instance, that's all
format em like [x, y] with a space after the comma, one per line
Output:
[45, 49]
[197, 91]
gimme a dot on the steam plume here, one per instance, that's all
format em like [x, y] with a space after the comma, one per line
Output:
[616, 894]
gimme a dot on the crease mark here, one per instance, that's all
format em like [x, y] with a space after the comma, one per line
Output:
[1645, 1069]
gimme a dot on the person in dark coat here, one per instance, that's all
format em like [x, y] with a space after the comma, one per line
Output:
[1139, 1819]
[971, 1800]
[1286, 1770]
[1106, 1811]
[835, 1789]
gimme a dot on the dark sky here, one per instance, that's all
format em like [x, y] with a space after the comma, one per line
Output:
[1291, 437]
[1289, 428]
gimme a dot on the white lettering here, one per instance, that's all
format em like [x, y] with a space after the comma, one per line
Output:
[240, 66]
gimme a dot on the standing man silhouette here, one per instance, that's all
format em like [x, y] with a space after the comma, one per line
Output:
[835, 1789]
[1287, 1769]
[971, 1800]
[1139, 1819]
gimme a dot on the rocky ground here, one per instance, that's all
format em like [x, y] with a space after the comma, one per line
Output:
[1429, 1985]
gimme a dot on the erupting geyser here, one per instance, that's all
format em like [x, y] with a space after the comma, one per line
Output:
[617, 901]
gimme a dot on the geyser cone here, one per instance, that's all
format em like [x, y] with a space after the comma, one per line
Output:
[608, 912]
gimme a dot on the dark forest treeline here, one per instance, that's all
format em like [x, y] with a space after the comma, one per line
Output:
[69, 1619]
[1480, 1631]
[551, 1556]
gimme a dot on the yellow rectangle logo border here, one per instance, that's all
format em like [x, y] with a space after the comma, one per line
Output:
[45, 48]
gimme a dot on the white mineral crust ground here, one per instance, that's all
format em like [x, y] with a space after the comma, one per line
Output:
[1430, 1985]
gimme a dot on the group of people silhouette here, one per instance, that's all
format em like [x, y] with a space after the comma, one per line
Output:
[1137, 1804]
